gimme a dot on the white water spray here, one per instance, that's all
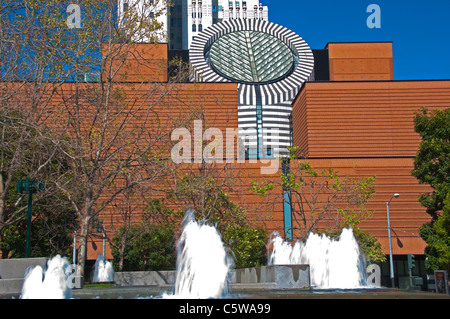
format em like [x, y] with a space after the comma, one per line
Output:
[334, 263]
[103, 270]
[48, 284]
[203, 266]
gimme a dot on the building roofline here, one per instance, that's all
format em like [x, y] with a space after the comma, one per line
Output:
[350, 42]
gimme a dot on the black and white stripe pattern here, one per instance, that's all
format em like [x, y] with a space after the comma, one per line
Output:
[276, 97]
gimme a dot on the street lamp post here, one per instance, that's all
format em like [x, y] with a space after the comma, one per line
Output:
[390, 241]
[31, 187]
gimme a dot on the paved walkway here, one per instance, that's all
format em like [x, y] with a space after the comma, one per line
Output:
[255, 293]
[154, 292]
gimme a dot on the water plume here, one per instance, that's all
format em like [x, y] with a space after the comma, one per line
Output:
[103, 270]
[334, 263]
[203, 267]
[50, 283]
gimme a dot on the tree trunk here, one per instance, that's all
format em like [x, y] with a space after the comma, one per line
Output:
[2, 201]
[84, 231]
[122, 252]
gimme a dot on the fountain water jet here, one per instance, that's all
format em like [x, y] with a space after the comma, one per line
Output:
[334, 263]
[203, 267]
[49, 284]
[103, 270]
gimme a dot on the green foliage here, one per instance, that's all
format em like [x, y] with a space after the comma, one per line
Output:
[246, 242]
[432, 166]
[247, 245]
[432, 162]
[51, 233]
[437, 236]
[372, 249]
[262, 189]
[157, 212]
[149, 247]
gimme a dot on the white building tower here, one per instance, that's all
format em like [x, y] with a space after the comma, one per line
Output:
[188, 18]
[249, 9]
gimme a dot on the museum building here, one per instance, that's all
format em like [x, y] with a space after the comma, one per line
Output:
[339, 105]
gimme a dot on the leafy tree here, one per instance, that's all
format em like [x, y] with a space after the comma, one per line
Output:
[150, 244]
[247, 245]
[149, 247]
[432, 167]
[51, 233]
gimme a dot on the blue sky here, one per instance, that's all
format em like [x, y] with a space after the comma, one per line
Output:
[419, 30]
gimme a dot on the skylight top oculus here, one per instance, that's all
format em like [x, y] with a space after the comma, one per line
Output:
[251, 57]
[252, 53]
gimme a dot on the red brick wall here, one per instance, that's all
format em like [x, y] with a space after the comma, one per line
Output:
[363, 119]
[361, 61]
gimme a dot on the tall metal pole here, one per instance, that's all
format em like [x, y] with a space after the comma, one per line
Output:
[390, 248]
[391, 261]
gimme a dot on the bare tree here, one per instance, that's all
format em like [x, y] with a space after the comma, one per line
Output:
[31, 69]
[114, 126]
[125, 211]
[203, 172]
[105, 129]
[320, 199]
